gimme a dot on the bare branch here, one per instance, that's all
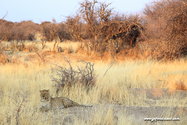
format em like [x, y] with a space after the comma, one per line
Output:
[4, 16]
[109, 67]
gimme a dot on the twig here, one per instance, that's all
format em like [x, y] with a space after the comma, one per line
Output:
[40, 56]
[109, 68]
[12, 98]
[70, 66]
[4, 16]
[18, 111]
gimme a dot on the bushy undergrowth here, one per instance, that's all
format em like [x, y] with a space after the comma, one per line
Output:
[159, 34]
[64, 77]
[166, 28]
[21, 31]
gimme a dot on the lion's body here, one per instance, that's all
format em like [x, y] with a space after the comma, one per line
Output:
[48, 103]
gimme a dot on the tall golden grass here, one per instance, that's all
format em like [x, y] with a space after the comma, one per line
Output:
[20, 85]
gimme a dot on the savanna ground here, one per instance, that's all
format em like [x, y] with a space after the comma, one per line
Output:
[125, 91]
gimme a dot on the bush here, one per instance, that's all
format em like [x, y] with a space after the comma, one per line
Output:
[63, 32]
[49, 31]
[68, 77]
[166, 28]
[6, 29]
[3, 56]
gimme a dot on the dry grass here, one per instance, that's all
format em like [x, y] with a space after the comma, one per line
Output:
[19, 87]
[49, 45]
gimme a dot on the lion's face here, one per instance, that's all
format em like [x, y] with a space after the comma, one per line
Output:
[44, 94]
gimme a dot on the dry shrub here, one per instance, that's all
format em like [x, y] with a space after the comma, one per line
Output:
[69, 77]
[108, 33]
[95, 14]
[166, 28]
[25, 30]
[162, 30]
[74, 24]
[31, 48]
[52, 31]
[18, 33]
[6, 29]
[163, 49]
[22, 31]
[3, 56]
[117, 37]
[80, 48]
[128, 28]
[17, 46]
[20, 46]
[68, 50]
[49, 31]
[63, 32]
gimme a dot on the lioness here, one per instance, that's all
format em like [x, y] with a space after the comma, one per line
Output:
[47, 102]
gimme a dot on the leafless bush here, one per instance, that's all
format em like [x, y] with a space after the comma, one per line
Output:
[75, 25]
[96, 15]
[117, 36]
[15, 115]
[102, 25]
[127, 31]
[162, 28]
[6, 29]
[50, 33]
[25, 30]
[68, 77]
[17, 33]
[63, 32]
[166, 28]
[20, 46]
[31, 48]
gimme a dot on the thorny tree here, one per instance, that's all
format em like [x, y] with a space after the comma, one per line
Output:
[75, 24]
[95, 15]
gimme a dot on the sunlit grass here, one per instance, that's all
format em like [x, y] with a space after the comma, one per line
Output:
[20, 85]
[49, 46]
[64, 45]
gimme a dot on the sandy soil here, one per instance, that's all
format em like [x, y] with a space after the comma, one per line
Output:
[135, 114]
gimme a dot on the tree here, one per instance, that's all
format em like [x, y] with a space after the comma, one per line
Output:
[96, 15]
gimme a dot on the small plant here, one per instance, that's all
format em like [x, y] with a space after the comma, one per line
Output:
[13, 115]
[31, 48]
[68, 77]
[19, 46]
[3, 56]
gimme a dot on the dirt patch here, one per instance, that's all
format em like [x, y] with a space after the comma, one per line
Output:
[136, 114]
